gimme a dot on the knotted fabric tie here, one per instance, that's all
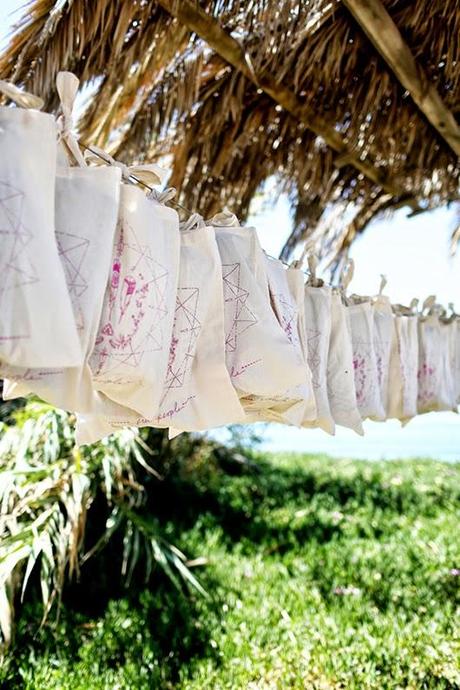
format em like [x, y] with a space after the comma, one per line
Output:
[346, 276]
[67, 87]
[148, 174]
[195, 220]
[224, 219]
[163, 197]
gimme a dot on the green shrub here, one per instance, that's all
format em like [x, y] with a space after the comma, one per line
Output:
[48, 488]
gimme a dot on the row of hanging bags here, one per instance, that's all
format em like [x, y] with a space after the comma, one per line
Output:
[199, 389]
[86, 215]
[36, 318]
[120, 331]
[196, 391]
[264, 359]
[138, 364]
[86, 207]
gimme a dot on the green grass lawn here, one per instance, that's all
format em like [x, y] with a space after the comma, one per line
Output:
[320, 574]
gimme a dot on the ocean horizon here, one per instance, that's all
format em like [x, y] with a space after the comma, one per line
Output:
[433, 436]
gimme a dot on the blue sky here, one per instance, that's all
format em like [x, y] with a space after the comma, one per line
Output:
[414, 255]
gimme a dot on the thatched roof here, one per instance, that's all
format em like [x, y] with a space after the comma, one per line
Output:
[162, 90]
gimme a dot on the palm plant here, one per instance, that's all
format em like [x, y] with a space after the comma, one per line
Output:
[47, 488]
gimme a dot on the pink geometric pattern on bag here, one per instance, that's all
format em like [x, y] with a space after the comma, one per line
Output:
[382, 351]
[379, 364]
[409, 376]
[136, 292]
[235, 298]
[287, 313]
[185, 333]
[16, 268]
[72, 251]
[427, 383]
[314, 355]
[362, 368]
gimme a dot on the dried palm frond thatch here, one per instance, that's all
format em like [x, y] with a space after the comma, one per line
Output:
[159, 90]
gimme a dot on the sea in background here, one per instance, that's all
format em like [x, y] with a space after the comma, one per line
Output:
[433, 436]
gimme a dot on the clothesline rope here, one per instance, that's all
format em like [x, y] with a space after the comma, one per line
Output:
[175, 203]
[135, 179]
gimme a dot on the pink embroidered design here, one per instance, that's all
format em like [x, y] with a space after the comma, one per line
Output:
[235, 297]
[314, 355]
[16, 268]
[362, 368]
[237, 371]
[427, 383]
[135, 297]
[72, 251]
[175, 409]
[409, 375]
[379, 364]
[287, 314]
[186, 330]
[382, 356]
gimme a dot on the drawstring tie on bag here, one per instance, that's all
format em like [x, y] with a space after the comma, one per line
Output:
[163, 197]
[67, 88]
[224, 219]
[195, 221]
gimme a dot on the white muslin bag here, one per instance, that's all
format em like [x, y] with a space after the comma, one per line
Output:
[367, 387]
[435, 381]
[197, 392]
[130, 355]
[318, 333]
[37, 327]
[263, 364]
[449, 329]
[383, 335]
[287, 297]
[403, 383]
[340, 374]
[87, 202]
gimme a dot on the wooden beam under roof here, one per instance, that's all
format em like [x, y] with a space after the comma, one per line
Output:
[380, 28]
[208, 28]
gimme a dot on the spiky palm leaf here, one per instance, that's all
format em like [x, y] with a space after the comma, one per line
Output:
[47, 487]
